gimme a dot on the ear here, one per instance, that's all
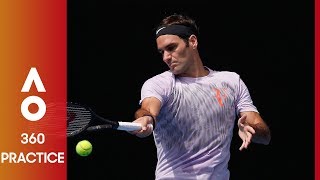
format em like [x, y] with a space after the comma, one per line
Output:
[193, 41]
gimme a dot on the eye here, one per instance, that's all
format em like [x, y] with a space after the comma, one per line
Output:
[171, 47]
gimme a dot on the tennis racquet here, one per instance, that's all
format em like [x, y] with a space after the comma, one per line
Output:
[81, 118]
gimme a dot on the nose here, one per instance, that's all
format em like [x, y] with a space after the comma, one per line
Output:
[166, 56]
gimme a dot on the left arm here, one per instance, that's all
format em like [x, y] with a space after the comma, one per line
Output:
[253, 128]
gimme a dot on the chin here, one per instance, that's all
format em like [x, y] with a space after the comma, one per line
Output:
[175, 73]
[175, 70]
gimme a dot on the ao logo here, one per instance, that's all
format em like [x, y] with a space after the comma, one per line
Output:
[33, 76]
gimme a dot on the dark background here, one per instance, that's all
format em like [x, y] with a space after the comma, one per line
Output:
[112, 51]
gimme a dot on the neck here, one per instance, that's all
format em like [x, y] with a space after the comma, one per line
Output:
[195, 71]
[200, 72]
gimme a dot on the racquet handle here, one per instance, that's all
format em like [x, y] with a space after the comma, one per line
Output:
[131, 126]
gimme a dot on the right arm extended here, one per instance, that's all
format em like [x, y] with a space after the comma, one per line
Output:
[149, 107]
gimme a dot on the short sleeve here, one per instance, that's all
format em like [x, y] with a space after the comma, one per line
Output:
[243, 98]
[159, 86]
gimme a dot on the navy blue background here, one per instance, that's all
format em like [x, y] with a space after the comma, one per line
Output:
[112, 51]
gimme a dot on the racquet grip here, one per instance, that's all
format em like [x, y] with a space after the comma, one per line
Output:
[131, 126]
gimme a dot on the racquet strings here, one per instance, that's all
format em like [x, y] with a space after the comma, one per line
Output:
[78, 119]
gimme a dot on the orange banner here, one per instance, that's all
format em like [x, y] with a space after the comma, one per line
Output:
[33, 82]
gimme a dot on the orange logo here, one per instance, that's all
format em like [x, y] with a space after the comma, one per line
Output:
[220, 97]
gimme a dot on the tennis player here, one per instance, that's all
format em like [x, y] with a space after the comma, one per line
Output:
[194, 109]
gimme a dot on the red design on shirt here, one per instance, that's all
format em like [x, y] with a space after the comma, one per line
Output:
[220, 96]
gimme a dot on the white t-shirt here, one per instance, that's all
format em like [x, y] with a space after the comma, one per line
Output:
[195, 124]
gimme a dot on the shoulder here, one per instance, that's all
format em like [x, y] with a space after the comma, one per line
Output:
[164, 77]
[226, 75]
[159, 86]
[223, 76]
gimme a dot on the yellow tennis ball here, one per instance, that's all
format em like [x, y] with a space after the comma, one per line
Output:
[84, 148]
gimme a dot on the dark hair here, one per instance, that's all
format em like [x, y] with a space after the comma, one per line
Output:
[180, 19]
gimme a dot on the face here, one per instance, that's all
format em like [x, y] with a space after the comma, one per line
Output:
[175, 53]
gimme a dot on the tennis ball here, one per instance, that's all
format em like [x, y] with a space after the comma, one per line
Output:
[84, 148]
